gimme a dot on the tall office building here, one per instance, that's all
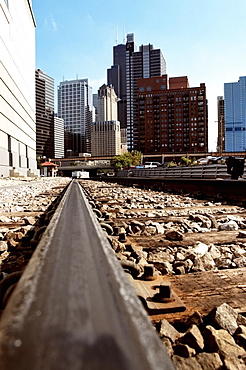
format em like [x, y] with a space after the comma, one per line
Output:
[116, 76]
[75, 106]
[44, 115]
[17, 89]
[146, 63]
[235, 115]
[107, 104]
[133, 65]
[172, 116]
[221, 125]
[58, 137]
[105, 134]
[105, 138]
[95, 105]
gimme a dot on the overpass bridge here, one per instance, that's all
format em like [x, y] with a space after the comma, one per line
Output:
[92, 169]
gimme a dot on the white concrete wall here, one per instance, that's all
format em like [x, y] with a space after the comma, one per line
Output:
[17, 87]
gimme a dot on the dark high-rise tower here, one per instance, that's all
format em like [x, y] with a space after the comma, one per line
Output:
[44, 114]
[117, 78]
[221, 125]
[145, 63]
[129, 66]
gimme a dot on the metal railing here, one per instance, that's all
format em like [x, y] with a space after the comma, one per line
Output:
[206, 172]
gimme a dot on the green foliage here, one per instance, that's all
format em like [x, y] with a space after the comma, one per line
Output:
[126, 160]
[172, 164]
[184, 161]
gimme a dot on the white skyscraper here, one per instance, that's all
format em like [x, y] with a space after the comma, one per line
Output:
[107, 104]
[17, 89]
[75, 107]
[58, 137]
[105, 133]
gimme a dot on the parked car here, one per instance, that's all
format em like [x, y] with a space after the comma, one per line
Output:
[202, 161]
[214, 160]
[151, 164]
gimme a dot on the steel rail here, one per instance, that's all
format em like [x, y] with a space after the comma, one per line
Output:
[73, 307]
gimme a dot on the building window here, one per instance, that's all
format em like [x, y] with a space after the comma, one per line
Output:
[149, 88]
[141, 89]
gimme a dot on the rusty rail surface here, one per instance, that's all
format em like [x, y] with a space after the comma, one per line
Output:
[73, 307]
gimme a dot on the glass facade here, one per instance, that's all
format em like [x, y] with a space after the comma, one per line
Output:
[235, 115]
[75, 107]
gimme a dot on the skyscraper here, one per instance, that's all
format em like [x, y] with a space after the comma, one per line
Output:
[44, 114]
[235, 115]
[145, 63]
[117, 78]
[106, 135]
[172, 116]
[75, 107]
[17, 89]
[58, 137]
[129, 66]
[221, 125]
[107, 104]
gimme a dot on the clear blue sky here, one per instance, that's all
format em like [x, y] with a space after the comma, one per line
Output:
[201, 39]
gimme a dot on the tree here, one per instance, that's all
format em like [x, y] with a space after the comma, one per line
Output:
[126, 160]
[184, 161]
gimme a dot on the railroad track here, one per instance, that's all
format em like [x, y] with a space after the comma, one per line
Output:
[167, 228]
[195, 249]
[73, 306]
[77, 274]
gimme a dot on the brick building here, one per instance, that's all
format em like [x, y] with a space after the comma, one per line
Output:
[172, 117]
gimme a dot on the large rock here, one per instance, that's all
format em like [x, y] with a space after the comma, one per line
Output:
[237, 251]
[240, 336]
[214, 223]
[195, 318]
[3, 246]
[228, 226]
[209, 361]
[200, 249]
[242, 234]
[168, 331]
[214, 252]
[184, 350]
[222, 342]
[205, 221]
[193, 338]
[182, 363]
[197, 265]
[173, 235]
[223, 263]
[240, 261]
[168, 345]
[208, 262]
[234, 363]
[224, 317]
[241, 320]
[160, 257]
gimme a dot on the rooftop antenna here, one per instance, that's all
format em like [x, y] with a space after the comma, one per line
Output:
[76, 76]
[124, 34]
[116, 38]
